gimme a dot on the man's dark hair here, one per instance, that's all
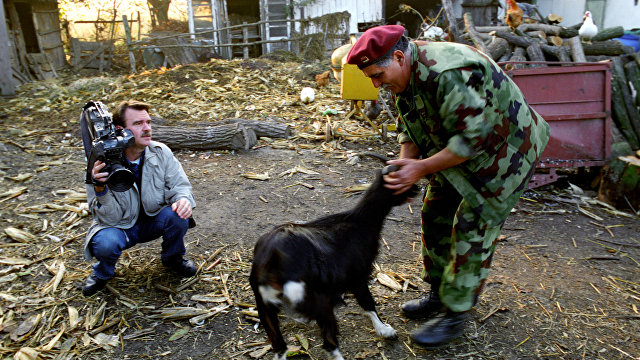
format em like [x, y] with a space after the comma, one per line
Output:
[118, 114]
[383, 61]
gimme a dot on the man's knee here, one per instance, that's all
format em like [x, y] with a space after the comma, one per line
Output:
[108, 242]
[171, 219]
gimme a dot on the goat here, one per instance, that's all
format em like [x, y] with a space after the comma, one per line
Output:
[308, 267]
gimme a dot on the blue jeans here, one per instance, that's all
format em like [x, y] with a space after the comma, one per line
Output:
[107, 244]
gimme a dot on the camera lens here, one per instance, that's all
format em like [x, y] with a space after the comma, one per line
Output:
[120, 179]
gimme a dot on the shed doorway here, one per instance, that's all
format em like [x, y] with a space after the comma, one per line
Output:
[25, 16]
[245, 11]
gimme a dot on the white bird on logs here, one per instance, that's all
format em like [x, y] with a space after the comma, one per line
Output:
[588, 29]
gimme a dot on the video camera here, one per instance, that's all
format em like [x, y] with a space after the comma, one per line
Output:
[102, 141]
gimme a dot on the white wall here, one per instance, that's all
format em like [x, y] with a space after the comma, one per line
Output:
[622, 13]
[617, 12]
[360, 10]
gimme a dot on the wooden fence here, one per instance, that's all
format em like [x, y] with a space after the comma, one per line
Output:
[152, 43]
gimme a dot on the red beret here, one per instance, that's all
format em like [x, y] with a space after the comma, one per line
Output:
[374, 43]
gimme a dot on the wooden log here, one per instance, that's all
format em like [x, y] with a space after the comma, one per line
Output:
[555, 40]
[470, 27]
[577, 53]
[516, 40]
[517, 56]
[548, 29]
[632, 71]
[609, 33]
[609, 47]
[535, 54]
[271, 129]
[497, 48]
[619, 75]
[505, 57]
[554, 19]
[540, 17]
[537, 34]
[619, 114]
[560, 52]
[454, 32]
[226, 136]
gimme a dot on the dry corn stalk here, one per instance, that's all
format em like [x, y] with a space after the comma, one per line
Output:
[20, 177]
[19, 235]
[254, 176]
[388, 281]
[178, 313]
[26, 353]
[53, 284]
[10, 194]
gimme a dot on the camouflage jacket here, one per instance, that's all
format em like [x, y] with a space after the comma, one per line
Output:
[459, 99]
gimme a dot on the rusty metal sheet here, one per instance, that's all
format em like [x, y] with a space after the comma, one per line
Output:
[575, 99]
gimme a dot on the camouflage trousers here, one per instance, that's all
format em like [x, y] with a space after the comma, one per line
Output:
[457, 246]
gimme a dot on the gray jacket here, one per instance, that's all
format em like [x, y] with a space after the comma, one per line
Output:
[163, 182]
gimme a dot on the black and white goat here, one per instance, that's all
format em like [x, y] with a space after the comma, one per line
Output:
[308, 267]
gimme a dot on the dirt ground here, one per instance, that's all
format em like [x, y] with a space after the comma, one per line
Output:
[565, 280]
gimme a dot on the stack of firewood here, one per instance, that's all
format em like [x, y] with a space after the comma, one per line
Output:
[541, 45]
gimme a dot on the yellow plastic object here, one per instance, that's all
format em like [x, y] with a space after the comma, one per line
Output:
[354, 85]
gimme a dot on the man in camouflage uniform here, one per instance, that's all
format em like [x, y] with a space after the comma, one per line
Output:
[467, 126]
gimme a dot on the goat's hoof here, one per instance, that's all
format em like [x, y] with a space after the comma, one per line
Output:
[387, 332]
[336, 355]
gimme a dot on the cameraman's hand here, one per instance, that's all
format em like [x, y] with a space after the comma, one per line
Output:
[97, 175]
[182, 207]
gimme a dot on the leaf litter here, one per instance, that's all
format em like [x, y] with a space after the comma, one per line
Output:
[42, 312]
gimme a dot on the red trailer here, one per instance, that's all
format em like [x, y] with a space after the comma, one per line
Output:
[575, 99]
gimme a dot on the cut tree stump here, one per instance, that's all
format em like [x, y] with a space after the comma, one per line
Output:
[224, 137]
[620, 184]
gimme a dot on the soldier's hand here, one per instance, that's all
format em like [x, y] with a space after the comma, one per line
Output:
[182, 207]
[401, 180]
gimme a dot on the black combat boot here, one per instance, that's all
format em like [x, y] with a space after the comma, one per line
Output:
[92, 285]
[440, 330]
[424, 307]
[180, 266]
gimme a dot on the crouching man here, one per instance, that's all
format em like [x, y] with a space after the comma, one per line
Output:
[159, 203]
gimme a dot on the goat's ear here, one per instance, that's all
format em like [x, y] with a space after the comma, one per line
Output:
[275, 260]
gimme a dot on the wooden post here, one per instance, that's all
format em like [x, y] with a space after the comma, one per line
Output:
[245, 39]
[576, 49]
[454, 33]
[7, 86]
[127, 31]
[139, 25]
[471, 30]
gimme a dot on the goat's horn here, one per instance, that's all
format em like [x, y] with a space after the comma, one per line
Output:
[389, 169]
